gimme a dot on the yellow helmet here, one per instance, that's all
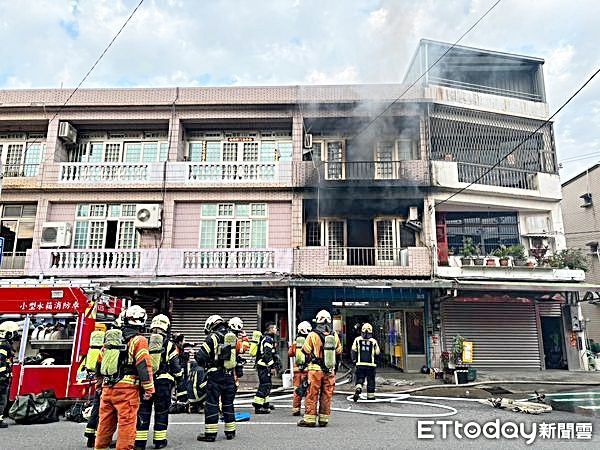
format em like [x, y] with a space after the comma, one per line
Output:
[367, 328]
[161, 322]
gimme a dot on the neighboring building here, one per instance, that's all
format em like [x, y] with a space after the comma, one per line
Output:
[273, 202]
[581, 210]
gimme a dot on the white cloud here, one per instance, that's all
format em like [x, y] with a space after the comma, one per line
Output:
[186, 42]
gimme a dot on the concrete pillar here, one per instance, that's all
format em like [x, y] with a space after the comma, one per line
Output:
[297, 220]
[297, 135]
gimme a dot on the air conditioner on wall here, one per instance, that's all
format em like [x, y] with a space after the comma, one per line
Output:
[148, 216]
[308, 140]
[56, 234]
[67, 132]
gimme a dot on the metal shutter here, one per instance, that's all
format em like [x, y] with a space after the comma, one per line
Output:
[504, 335]
[189, 315]
[550, 309]
[591, 312]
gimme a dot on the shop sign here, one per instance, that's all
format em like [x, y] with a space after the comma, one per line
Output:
[467, 353]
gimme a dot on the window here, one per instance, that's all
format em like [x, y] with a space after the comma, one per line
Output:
[407, 149]
[239, 147]
[250, 151]
[105, 226]
[230, 151]
[335, 240]
[16, 227]
[313, 234]
[335, 158]
[488, 230]
[229, 225]
[116, 151]
[21, 159]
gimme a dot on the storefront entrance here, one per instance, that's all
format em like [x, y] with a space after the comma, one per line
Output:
[399, 331]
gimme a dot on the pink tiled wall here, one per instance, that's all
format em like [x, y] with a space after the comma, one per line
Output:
[186, 225]
[61, 212]
[280, 225]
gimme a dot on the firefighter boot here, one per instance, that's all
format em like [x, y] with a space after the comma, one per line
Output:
[91, 441]
[229, 435]
[296, 412]
[357, 393]
[3, 424]
[304, 423]
[162, 444]
[207, 437]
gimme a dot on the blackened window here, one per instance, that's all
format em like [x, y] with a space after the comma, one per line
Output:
[489, 230]
[313, 234]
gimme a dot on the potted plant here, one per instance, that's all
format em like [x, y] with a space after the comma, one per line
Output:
[478, 260]
[570, 258]
[539, 253]
[502, 253]
[468, 251]
[517, 252]
[531, 262]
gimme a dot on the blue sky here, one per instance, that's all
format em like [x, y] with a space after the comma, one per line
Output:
[49, 43]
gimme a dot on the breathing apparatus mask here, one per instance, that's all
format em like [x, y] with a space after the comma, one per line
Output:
[324, 328]
[367, 335]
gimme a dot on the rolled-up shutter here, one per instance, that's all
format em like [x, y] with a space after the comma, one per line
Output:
[504, 334]
[189, 315]
[550, 309]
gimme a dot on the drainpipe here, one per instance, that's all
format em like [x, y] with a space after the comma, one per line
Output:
[290, 305]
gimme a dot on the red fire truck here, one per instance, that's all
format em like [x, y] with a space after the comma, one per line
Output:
[57, 323]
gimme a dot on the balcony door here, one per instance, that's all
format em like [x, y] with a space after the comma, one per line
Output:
[334, 160]
[384, 157]
[387, 239]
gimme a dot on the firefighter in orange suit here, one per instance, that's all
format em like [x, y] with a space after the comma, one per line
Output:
[300, 365]
[242, 346]
[322, 349]
[121, 385]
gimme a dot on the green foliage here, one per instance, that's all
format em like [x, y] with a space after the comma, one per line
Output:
[517, 251]
[469, 248]
[570, 258]
[502, 252]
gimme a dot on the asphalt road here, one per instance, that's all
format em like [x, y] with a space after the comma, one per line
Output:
[346, 430]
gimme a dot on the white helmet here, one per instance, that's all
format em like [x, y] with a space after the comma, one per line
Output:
[9, 330]
[135, 316]
[118, 322]
[236, 324]
[162, 322]
[304, 327]
[212, 322]
[323, 317]
[48, 362]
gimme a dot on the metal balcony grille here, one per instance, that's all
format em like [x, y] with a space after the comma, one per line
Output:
[476, 137]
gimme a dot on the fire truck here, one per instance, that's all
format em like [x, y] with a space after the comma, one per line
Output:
[57, 322]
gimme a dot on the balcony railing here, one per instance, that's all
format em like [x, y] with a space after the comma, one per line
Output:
[499, 176]
[363, 261]
[13, 261]
[20, 170]
[105, 172]
[238, 172]
[229, 259]
[367, 256]
[152, 262]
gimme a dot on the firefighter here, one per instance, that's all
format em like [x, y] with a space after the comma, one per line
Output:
[91, 362]
[267, 359]
[10, 337]
[218, 356]
[242, 346]
[322, 349]
[365, 352]
[124, 369]
[167, 371]
[300, 365]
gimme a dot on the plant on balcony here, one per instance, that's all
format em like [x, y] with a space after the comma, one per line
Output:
[503, 254]
[517, 252]
[468, 251]
[570, 258]
[539, 253]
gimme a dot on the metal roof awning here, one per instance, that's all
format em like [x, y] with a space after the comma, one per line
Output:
[382, 283]
[524, 286]
[196, 282]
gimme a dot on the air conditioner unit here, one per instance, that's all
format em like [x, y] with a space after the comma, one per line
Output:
[587, 200]
[56, 234]
[413, 213]
[147, 216]
[308, 141]
[67, 132]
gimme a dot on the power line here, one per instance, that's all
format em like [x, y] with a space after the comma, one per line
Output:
[112, 41]
[387, 108]
[544, 123]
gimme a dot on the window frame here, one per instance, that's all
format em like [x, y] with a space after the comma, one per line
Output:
[104, 219]
[234, 220]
